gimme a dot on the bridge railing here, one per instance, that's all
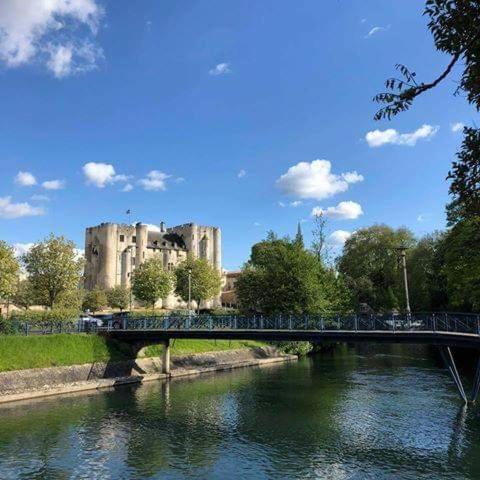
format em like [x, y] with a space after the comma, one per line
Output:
[436, 322]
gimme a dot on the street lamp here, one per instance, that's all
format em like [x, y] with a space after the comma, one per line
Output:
[189, 291]
[402, 250]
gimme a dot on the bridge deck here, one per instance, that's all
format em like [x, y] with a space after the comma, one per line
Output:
[454, 339]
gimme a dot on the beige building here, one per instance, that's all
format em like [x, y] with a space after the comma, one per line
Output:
[113, 251]
[229, 294]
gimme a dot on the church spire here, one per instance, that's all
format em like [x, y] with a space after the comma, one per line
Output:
[299, 236]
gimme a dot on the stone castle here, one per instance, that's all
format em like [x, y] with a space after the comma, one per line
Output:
[113, 251]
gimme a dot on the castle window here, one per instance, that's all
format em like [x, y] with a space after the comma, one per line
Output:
[134, 239]
[122, 238]
[133, 261]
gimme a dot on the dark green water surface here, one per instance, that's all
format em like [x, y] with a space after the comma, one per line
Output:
[385, 412]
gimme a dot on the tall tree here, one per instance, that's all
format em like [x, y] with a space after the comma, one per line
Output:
[25, 296]
[426, 277]
[369, 265]
[205, 280]
[9, 270]
[118, 297]
[94, 300]
[53, 268]
[150, 282]
[283, 277]
[462, 265]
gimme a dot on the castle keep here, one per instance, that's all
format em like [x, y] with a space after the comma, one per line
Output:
[113, 251]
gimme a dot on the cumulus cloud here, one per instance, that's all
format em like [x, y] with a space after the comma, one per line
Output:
[257, 224]
[53, 184]
[457, 127]
[378, 138]
[127, 188]
[9, 210]
[154, 180]
[25, 179]
[339, 237]
[220, 69]
[315, 180]
[241, 173]
[343, 211]
[58, 34]
[101, 174]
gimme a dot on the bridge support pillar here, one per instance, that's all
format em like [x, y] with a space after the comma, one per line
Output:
[452, 368]
[166, 357]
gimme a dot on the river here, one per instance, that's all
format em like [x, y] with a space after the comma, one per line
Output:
[377, 412]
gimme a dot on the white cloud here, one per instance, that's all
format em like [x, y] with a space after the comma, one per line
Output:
[376, 30]
[241, 173]
[25, 179]
[257, 224]
[101, 174]
[155, 180]
[22, 248]
[220, 69]
[457, 127]
[377, 138]
[281, 204]
[315, 180]
[339, 237]
[296, 203]
[127, 188]
[343, 211]
[53, 184]
[152, 228]
[10, 210]
[40, 198]
[56, 33]
[421, 217]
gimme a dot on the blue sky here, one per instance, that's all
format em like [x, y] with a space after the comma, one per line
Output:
[205, 111]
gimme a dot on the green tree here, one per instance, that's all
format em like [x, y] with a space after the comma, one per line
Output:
[205, 280]
[53, 268]
[283, 277]
[94, 300]
[462, 265]
[25, 296]
[9, 270]
[118, 297]
[150, 282]
[426, 278]
[369, 266]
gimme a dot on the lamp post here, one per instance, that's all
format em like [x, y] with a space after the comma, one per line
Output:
[402, 250]
[189, 291]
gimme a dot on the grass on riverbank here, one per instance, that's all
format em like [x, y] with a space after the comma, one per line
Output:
[22, 352]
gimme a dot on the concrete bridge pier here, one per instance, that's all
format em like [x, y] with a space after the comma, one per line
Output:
[166, 357]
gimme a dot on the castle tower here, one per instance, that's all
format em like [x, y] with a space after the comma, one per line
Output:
[141, 243]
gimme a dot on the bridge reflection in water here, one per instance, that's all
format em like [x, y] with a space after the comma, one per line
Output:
[444, 330]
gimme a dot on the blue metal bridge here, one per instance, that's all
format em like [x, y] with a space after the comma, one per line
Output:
[444, 330]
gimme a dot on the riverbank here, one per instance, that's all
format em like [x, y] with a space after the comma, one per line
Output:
[41, 382]
[18, 352]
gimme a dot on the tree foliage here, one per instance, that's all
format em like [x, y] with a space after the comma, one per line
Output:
[150, 282]
[284, 277]
[25, 296]
[462, 265]
[369, 266]
[9, 270]
[426, 274]
[94, 300]
[455, 28]
[205, 280]
[53, 268]
[118, 297]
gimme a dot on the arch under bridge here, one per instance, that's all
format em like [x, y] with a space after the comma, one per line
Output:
[444, 330]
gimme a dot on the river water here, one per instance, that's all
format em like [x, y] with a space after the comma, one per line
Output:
[380, 412]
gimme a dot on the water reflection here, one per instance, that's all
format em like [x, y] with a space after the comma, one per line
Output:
[364, 412]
